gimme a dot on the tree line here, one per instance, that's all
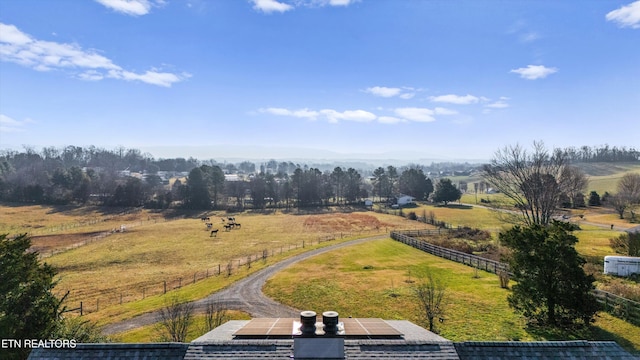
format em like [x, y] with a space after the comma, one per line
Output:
[206, 188]
[603, 153]
[76, 175]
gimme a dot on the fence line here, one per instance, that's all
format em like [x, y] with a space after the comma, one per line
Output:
[617, 306]
[474, 261]
[102, 235]
[232, 267]
[72, 225]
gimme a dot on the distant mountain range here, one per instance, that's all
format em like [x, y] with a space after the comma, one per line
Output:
[236, 153]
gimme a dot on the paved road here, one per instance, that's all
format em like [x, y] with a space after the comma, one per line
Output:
[245, 295]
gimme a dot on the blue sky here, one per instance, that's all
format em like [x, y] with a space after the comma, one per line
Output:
[319, 78]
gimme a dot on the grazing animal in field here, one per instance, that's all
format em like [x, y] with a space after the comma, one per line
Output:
[214, 233]
[228, 227]
[209, 225]
[223, 219]
[237, 225]
[232, 219]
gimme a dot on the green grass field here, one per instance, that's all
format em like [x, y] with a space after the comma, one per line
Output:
[371, 280]
[383, 273]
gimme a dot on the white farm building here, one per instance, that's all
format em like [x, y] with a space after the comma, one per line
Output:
[621, 265]
[404, 200]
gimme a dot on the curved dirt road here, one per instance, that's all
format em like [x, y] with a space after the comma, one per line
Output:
[245, 295]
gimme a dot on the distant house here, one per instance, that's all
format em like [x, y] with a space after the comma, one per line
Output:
[368, 203]
[404, 200]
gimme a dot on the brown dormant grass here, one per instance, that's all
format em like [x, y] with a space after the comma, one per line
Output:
[137, 262]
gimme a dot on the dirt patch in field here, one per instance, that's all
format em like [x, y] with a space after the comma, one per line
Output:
[47, 243]
[344, 222]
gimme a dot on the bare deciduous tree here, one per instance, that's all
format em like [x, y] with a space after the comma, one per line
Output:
[574, 182]
[626, 244]
[629, 185]
[215, 315]
[619, 203]
[175, 319]
[430, 294]
[532, 181]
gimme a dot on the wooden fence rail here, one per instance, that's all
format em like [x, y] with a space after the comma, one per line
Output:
[223, 269]
[477, 262]
[617, 306]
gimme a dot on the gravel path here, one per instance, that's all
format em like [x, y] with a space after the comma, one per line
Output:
[245, 295]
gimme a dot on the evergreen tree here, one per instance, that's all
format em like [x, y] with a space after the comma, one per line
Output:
[414, 182]
[28, 308]
[446, 192]
[594, 199]
[551, 285]
[197, 192]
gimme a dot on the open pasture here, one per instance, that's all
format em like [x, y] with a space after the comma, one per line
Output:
[54, 228]
[376, 279]
[462, 215]
[137, 262]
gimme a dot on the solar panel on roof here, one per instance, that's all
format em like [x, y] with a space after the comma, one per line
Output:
[287, 327]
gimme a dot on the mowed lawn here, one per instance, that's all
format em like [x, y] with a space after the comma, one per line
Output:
[375, 280]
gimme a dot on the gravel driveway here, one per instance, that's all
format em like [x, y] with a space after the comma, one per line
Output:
[245, 295]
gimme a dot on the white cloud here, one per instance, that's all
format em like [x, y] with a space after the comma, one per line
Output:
[315, 3]
[91, 75]
[455, 99]
[302, 113]
[128, 7]
[10, 34]
[500, 104]
[383, 91]
[387, 92]
[10, 125]
[444, 111]
[149, 77]
[20, 48]
[399, 115]
[626, 16]
[390, 120]
[332, 116]
[415, 114]
[269, 6]
[341, 2]
[533, 72]
[349, 115]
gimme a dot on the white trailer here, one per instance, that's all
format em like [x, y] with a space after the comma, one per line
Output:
[621, 265]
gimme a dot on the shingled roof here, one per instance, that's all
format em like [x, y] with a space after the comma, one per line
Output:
[108, 351]
[583, 350]
[416, 343]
